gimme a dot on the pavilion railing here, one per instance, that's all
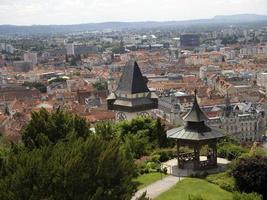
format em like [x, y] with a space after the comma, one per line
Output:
[206, 164]
[186, 156]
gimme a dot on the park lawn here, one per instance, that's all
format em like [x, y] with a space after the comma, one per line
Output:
[193, 186]
[147, 179]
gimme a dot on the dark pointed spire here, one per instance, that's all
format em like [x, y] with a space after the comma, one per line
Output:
[227, 99]
[195, 114]
[228, 108]
[132, 80]
[7, 111]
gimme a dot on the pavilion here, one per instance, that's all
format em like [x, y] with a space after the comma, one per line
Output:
[196, 134]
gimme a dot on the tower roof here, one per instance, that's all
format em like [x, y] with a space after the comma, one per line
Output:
[132, 94]
[132, 80]
[195, 114]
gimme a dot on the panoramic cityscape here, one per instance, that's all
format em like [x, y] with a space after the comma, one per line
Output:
[110, 100]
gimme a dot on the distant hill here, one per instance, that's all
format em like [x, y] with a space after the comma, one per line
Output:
[240, 18]
[45, 29]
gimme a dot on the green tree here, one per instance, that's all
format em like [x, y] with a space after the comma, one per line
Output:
[138, 144]
[39, 86]
[141, 135]
[161, 134]
[47, 128]
[250, 174]
[100, 85]
[147, 125]
[75, 169]
[105, 130]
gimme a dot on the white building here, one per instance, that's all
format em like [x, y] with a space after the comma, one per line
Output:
[253, 50]
[262, 79]
[208, 70]
[10, 48]
[70, 49]
[7, 47]
[243, 121]
[31, 58]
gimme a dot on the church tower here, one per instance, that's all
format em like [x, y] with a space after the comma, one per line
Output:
[227, 110]
[132, 97]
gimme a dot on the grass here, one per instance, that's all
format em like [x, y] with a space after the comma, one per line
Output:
[192, 186]
[146, 179]
[223, 180]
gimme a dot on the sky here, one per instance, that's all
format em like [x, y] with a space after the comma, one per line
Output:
[29, 12]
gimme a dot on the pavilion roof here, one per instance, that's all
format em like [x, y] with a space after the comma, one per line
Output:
[195, 114]
[186, 134]
[195, 128]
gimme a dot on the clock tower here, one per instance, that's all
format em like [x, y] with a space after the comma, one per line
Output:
[132, 97]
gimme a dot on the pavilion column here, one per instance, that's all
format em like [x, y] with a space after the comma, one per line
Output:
[213, 146]
[196, 156]
[178, 153]
[215, 153]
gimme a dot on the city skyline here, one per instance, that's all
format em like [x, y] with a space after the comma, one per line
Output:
[33, 12]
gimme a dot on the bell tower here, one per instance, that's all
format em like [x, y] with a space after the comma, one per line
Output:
[132, 97]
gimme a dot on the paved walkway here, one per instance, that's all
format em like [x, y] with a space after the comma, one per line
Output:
[158, 187]
[155, 189]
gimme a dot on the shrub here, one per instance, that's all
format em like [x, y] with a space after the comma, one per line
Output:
[246, 196]
[250, 175]
[152, 166]
[231, 151]
[164, 156]
[165, 170]
[155, 158]
[199, 175]
[143, 197]
[223, 180]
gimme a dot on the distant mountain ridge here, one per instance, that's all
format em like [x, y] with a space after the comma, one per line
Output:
[42, 29]
[241, 17]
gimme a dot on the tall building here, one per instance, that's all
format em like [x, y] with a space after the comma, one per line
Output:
[190, 40]
[7, 47]
[262, 79]
[10, 48]
[132, 97]
[30, 57]
[70, 49]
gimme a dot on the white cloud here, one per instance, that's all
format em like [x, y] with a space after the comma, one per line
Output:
[84, 11]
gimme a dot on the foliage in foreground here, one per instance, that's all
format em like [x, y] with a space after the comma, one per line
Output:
[141, 135]
[76, 169]
[48, 128]
[250, 175]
